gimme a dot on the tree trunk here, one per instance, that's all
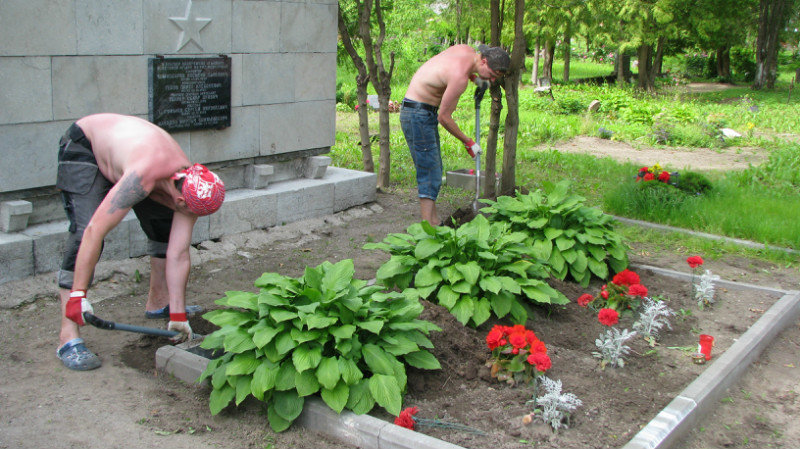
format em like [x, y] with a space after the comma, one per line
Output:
[362, 79]
[724, 62]
[549, 53]
[645, 67]
[535, 70]
[380, 79]
[567, 50]
[770, 21]
[508, 181]
[659, 58]
[490, 167]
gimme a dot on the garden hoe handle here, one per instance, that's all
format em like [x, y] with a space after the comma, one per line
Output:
[478, 97]
[110, 325]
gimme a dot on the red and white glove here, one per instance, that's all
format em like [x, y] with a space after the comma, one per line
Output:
[480, 82]
[179, 323]
[76, 305]
[473, 148]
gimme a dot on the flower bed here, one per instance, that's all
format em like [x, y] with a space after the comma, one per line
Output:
[616, 402]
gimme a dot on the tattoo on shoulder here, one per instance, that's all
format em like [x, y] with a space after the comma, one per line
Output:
[129, 193]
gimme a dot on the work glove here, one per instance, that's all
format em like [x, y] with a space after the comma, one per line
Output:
[179, 323]
[480, 82]
[473, 148]
[76, 305]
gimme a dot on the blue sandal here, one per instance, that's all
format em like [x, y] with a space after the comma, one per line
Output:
[164, 311]
[75, 355]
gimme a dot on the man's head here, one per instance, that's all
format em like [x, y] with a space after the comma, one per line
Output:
[201, 189]
[496, 58]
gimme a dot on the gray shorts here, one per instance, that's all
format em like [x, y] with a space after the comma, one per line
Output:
[83, 187]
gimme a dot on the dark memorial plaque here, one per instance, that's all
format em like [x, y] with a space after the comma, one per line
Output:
[190, 93]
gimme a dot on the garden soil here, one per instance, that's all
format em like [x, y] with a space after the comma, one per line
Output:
[127, 404]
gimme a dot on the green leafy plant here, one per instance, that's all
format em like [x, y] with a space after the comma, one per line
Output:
[569, 237]
[476, 270]
[324, 332]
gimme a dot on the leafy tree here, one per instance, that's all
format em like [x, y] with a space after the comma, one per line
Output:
[772, 16]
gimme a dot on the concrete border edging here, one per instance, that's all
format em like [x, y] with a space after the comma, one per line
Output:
[721, 282]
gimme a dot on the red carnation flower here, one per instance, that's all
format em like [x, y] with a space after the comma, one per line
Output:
[406, 418]
[637, 290]
[695, 261]
[649, 177]
[541, 361]
[585, 299]
[625, 277]
[664, 177]
[494, 337]
[608, 317]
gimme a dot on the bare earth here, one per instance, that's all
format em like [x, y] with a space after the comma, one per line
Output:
[126, 404]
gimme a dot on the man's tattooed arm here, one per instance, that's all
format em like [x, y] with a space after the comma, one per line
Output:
[129, 192]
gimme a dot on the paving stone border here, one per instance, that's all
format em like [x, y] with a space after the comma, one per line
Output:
[673, 423]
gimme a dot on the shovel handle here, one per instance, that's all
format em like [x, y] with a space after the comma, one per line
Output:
[110, 325]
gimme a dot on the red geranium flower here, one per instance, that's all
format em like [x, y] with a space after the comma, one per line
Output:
[664, 177]
[585, 299]
[637, 290]
[608, 317]
[531, 337]
[518, 340]
[625, 277]
[541, 360]
[649, 177]
[538, 347]
[494, 337]
[604, 294]
[695, 261]
[406, 418]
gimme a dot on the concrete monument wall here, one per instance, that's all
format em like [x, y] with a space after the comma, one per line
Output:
[64, 59]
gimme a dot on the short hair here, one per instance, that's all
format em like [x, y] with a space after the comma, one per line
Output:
[496, 58]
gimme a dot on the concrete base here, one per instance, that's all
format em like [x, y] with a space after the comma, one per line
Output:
[38, 248]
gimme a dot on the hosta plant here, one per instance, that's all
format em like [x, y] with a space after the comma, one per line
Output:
[474, 271]
[570, 238]
[325, 333]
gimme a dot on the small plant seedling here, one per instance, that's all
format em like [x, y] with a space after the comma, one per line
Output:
[137, 277]
[727, 399]
[746, 393]
[683, 313]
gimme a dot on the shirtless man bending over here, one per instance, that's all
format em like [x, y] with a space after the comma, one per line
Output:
[436, 88]
[109, 164]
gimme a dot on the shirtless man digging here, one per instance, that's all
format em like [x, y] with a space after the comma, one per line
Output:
[436, 88]
[109, 164]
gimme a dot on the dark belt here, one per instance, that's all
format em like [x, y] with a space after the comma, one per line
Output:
[417, 105]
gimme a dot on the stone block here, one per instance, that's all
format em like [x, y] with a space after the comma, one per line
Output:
[315, 166]
[202, 229]
[88, 84]
[258, 176]
[37, 27]
[397, 437]
[16, 256]
[258, 27]
[116, 245]
[137, 239]
[110, 28]
[594, 106]
[268, 79]
[181, 363]
[48, 245]
[239, 141]
[165, 36]
[27, 92]
[351, 187]
[297, 126]
[236, 80]
[245, 210]
[315, 196]
[308, 27]
[361, 431]
[14, 215]
[313, 76]
[29, 154]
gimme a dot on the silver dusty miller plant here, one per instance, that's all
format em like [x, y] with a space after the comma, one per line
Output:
[653, 318]
[555, 407]
[612, 348]
[704, 289]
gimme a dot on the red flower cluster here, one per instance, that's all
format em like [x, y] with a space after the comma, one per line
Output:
[637, 290]
[648, 174]
[406, 418]
[624, 292]
[511, 341]
[608, 317]
[625, 277]
[694, 261]
[585, 299]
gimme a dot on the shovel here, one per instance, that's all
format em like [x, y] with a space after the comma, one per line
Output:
[478, 97]
[110, 325]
